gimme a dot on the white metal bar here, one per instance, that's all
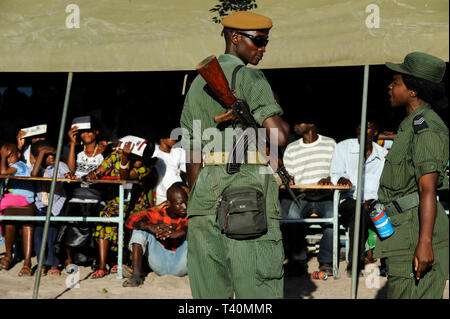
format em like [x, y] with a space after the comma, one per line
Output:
[120, 241]
[335, 233]
[333, 220]
[62, 218]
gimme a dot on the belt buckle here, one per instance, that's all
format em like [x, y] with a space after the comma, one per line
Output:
[233, 168]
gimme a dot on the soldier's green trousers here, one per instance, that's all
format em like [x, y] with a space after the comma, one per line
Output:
[399, 253]
[402, 282]
[223, 268]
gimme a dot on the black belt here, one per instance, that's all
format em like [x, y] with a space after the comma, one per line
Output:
[402, 204]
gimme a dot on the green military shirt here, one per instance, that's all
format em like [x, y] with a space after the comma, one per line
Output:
[415, 154]
[421, 147]
[197, 119]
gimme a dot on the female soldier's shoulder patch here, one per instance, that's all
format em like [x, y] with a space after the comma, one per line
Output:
[419, 123]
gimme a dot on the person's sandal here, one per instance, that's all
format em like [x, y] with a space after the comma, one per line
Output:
[98, 274]
[5, 263]
[43, 271]
[133, 281]
[25, 271]
[127, 271]
[114, 269]
[54, 271]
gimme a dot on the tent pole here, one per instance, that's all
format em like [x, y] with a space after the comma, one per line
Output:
[362, 140]
[52, 187]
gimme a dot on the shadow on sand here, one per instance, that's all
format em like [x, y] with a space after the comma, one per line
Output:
[300, 287]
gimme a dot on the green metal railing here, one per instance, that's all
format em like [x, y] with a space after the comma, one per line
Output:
[119, 220]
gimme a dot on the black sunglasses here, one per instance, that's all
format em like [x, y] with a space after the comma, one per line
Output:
[258, 41]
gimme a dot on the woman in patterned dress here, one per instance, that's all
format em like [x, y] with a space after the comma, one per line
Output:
[121, 164]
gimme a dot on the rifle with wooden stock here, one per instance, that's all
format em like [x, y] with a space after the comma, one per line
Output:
[239, 111]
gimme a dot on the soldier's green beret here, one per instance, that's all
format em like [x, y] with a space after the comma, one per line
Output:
[245, 20]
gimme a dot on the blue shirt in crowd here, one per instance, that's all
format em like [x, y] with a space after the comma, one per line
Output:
[345, 164]
[19, 187]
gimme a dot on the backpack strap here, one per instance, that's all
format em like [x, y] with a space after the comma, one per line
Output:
[233, 77]
[233, 168]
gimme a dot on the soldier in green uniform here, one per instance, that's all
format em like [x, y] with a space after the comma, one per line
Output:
[417, 254]
[218, 266]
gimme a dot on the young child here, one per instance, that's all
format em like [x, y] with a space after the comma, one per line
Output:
[19, 193]
[44, 156]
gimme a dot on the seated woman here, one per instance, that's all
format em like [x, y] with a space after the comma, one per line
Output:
[74, 239]
[124, 165]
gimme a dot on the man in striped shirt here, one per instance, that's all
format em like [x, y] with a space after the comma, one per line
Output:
[308, 160]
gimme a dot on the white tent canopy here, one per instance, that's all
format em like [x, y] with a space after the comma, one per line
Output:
[158, 35]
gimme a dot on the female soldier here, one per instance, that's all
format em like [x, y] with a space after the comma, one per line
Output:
[417, 253]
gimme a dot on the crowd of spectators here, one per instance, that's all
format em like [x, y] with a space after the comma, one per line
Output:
[158, 196]
[311, 159]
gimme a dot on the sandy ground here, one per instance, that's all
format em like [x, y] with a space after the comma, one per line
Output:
[171, 287]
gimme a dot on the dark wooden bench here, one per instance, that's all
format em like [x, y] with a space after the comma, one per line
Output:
[28, 210]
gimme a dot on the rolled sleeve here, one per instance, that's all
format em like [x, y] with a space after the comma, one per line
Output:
[140, 237]
[259, 95]
[428, 153]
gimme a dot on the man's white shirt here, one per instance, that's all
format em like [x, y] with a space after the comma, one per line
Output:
[345, 164]
[168, 167]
